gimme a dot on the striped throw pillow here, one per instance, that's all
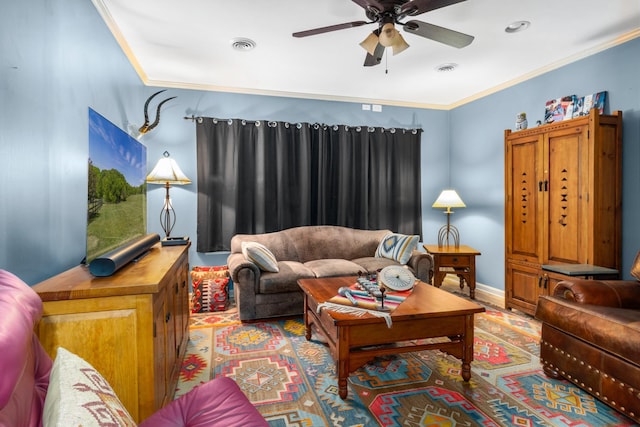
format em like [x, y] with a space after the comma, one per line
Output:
[260, 255]
[397, 247]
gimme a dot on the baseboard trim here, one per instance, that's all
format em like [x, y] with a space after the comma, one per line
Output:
[484, 293]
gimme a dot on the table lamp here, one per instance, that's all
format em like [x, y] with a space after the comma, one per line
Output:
[448, 199]
[167, 172]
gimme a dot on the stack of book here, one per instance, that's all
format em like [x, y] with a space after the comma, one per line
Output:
[572, 106]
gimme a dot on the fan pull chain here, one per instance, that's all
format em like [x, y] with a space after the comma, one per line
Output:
[386, 63]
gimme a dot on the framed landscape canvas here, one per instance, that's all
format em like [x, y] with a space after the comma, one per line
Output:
[117, 191]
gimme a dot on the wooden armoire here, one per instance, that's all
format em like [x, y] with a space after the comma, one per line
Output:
[562, 202]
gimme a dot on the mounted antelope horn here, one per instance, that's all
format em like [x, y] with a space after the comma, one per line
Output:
[146, 127]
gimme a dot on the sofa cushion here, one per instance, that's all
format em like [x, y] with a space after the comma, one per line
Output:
[373, 264]
[260, 255]
[333, 267]
[285, 280]
[79, 396]
[25, 364]
[397, 247]
[219, 403]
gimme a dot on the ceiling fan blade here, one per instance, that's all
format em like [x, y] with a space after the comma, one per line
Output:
[374, 59]
[439, 34]
[416, 7]
[370, 4]
[336, 27]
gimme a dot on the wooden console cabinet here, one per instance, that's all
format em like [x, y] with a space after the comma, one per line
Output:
[562, 202]
[132, 326]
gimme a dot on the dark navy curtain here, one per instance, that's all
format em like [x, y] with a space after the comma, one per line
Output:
[258, 177]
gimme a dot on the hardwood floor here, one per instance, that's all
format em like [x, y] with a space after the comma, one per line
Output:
[451, 283]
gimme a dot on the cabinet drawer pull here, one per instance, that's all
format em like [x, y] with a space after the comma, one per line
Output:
[167, 317]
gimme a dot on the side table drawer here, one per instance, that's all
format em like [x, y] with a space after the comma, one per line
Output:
[455, 260]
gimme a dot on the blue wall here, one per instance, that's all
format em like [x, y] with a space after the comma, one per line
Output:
[477, 148]
[178, 137]
[58, 59]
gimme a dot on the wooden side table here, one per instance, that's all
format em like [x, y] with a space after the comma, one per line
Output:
[460, 261]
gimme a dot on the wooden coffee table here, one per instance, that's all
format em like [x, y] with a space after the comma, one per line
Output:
[428, 312]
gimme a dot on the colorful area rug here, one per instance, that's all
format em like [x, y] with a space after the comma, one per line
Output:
[292, 381]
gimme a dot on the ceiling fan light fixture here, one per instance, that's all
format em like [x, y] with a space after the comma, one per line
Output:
[400, 45]
[517, 26]
[369, 44]
[390, 37]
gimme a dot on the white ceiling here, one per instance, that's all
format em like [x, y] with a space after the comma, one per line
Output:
[187, 44]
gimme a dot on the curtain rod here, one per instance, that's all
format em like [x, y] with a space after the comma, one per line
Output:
[200, 118]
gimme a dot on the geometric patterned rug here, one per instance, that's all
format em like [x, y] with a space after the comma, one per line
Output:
[292, 382]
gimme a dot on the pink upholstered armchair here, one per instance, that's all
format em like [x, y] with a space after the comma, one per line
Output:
[32, 389]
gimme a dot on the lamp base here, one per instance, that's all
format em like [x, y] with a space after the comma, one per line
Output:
[174, 241]
[445, 232]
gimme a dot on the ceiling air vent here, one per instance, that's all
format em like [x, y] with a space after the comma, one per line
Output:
[242, 44]
[517, 26]
[446, 68]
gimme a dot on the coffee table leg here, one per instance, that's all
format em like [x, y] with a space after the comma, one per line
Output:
[342, 364]
[307, 321]
[467, 351]
[343, 391]
[466, 371]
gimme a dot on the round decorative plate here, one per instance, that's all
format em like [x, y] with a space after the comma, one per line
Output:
[396, 278]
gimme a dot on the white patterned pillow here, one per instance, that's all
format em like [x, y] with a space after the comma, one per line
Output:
[397, 247]
[79, 396]
[260, 255]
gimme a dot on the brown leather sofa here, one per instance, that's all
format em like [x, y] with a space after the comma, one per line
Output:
[591, 337]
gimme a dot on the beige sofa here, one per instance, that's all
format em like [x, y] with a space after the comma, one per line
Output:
[307, 252]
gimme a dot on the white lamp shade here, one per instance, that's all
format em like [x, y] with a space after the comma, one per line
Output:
[167, 171]
[448, 199]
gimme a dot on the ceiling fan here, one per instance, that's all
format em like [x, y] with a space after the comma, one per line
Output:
[387, 13]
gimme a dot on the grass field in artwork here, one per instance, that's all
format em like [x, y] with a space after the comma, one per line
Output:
[116, 223]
